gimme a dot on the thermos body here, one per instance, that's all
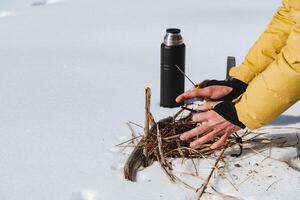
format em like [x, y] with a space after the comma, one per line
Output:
[171, 79]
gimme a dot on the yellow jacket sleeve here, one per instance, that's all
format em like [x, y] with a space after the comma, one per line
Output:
[267, 46]
[275, 89]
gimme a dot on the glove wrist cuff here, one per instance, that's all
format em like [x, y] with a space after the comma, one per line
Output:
[227, 110]
[237, 84]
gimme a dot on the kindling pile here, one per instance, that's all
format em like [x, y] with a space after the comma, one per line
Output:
[160, 142]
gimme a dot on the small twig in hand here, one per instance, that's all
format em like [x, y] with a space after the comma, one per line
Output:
[178, 113]
[189, 109]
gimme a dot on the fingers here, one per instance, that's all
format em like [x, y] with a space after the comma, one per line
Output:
[203, 139]
[216, 125]
[208, 105]
[220, 142]
[211, 135]
[219, 91]
[211, 92]
[194, 132]
[199, 130]
[209, 116]
[201, 117]
[194, 93]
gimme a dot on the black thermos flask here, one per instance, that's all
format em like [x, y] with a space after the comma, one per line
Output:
[171, 79]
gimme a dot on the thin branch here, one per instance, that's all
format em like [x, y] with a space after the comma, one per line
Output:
[172, 136]
[127, 141]
[196, 171]
[203, 188]
[159, 143]
[146, 128]
[133, 135]
[130, 122]
[178, 113]
[273, 184]
[225, 195]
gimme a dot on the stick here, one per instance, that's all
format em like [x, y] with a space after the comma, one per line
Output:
[146, 128]
[173, 136]
[273, 184]
[178, 113]
[160, 150]
[196, 171]
[132, 132]
[134, 162]
[224, 196]
[173, 177]
[201, 191]
[130, 122]
[127, 141]
[170, 175]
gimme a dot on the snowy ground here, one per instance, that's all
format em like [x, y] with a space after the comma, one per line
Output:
[73, 72]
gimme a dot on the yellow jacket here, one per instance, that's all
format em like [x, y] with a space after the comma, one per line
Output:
[272, 69]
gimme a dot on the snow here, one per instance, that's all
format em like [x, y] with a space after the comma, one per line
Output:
[74, 72]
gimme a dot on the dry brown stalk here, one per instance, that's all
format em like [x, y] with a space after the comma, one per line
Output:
[146, 128]
[195, 167]
[172, 137]
[130, 122]
[160, 150]
[160, 142]
[131, 130]
[186, 185]
[225, 196]
[165, 170]
[128, 141]
[203, 188]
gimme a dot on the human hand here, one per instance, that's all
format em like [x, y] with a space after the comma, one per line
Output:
[215, 90]
[219, 119]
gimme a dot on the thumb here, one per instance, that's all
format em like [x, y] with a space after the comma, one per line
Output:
[202, 93]
[194, 93]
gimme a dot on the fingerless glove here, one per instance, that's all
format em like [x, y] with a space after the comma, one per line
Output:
[238, 88]
[227, 110]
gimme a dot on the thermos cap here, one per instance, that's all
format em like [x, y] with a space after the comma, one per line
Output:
[173, 37]
[173, 30]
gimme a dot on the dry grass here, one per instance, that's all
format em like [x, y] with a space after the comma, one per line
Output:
[161, 143]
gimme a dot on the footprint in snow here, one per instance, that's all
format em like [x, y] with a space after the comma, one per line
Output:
[116, 166]
[6, 13]
[84, 195]
[45, 2]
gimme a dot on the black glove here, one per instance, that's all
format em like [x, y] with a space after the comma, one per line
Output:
[227, 110]
[238, 88]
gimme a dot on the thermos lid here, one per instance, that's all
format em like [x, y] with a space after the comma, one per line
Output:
[173, 37]
[173, 30]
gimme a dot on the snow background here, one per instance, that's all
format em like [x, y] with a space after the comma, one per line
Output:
[73, 72]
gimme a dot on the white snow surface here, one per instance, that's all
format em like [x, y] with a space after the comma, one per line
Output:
[73, 72]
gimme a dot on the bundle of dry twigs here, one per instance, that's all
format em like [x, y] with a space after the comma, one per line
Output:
[161, 141]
